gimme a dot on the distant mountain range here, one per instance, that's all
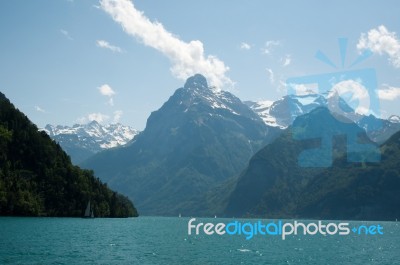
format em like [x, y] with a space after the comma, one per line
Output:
[283, 112]
[81, 141]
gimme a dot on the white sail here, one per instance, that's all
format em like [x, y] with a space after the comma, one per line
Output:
[87, 211]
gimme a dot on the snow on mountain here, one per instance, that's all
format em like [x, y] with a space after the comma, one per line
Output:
[107, 136]
[262, 108]
[197, 93]
[83, 140]
[282, 112]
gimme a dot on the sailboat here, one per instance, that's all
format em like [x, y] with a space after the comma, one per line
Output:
[88, 211]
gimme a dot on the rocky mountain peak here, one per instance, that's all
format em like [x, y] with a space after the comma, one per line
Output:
[196, 81]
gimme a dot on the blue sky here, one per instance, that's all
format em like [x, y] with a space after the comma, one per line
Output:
[64, 61]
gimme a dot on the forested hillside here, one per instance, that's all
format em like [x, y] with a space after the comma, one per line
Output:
[38, 179]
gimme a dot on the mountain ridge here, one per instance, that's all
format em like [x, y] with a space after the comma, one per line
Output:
[82, 141]
[282, 112]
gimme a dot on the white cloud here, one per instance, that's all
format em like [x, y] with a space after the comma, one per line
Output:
[187, 58]
[302, 89]
[281, 86]
[287, 60]
[66, 34]
[269, 46]
[81, 120]
[381, 41]
[271, 75]
[99, 117]
[245, 46]
[389, 93]
[354, 93]
[117, 116]
[39, 109]
[106, 90]
[106, 45]
[350, 87]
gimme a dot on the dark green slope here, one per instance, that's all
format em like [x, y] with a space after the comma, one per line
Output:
[274, 185]
[38, 179]
[271, 182]
[369, 191]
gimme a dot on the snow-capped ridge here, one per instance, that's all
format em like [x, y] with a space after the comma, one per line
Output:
[196, 91]
[394, 119]
[282, 112]
[105, 136]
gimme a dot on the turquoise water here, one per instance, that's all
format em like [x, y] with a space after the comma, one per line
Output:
[159, 240]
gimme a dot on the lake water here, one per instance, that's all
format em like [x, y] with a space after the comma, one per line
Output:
[162, 240]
